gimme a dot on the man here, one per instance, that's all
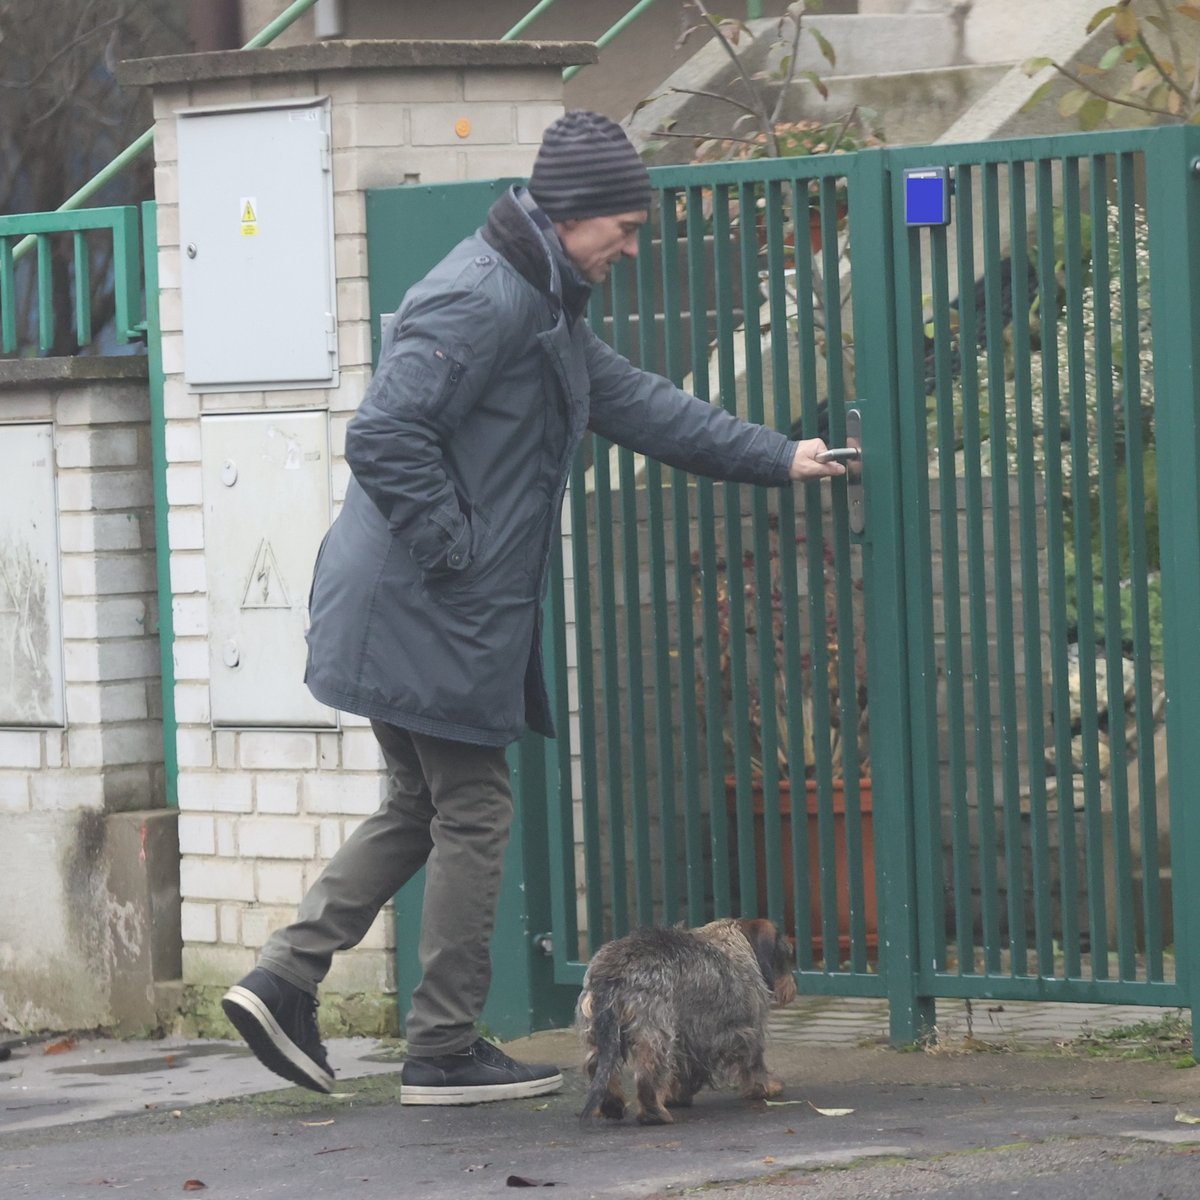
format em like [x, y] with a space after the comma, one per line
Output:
[427, 598]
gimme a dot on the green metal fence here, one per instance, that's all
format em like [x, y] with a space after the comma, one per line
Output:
[933, 749]
[121, 256]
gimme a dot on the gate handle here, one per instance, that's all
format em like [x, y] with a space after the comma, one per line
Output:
[840, 454]
[851, 455]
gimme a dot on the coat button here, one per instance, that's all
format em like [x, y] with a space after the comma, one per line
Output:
[455, 559]
[483, 260]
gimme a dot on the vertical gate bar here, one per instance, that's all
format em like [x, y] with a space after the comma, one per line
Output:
[785, 547]
[1031, 591]
[1078, 403]
[706, 511]
[635, 688]
[951, 552]
[764, 554]
[45, 286]
[586, 669]
[83, 291]
[838, 616]
[1135, 506]
[735, 599]
[1173, 199]
[127, 262]
[1110, 567]
[968, 498]
[1003, 585]
[981, 659]
[656, 538]
[610, 675]
[694, 856]
[1049, 255]
[801, 723]
[560, 822]
[8, 298]
[781, 417]
[900, 655]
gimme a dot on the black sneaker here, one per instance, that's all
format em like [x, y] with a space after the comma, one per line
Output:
[279, 1022]
[479, 1073]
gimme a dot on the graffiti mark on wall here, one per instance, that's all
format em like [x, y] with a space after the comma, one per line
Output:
[26, 680]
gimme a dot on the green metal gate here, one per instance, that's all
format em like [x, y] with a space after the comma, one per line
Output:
[888, 740]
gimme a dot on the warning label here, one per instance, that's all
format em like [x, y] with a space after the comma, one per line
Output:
[249, 216]
[264, 587]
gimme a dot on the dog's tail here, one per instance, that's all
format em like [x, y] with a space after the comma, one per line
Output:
[606, 1034]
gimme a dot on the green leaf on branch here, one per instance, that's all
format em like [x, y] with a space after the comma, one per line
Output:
[1098, 18]
[1112, 56]
[1072, 102]
[1093, 112]
[1031, 66]
[817, 82]
[1038, 96]
[826, 49]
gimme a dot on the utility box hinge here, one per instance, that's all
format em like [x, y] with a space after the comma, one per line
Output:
[331, 333]
[326, 151]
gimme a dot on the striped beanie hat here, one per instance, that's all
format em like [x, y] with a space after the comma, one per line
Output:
[587, 167]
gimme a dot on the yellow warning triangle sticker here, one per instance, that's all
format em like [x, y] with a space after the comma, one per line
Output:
[248, 213]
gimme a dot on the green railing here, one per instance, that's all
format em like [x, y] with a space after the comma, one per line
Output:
[753, 11]
[121, 223]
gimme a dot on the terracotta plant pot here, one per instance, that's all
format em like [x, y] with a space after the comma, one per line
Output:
[871, 918]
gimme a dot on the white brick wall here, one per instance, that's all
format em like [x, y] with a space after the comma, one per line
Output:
[263, 810]
[113, 740]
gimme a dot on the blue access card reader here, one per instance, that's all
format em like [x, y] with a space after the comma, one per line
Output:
[927, 196]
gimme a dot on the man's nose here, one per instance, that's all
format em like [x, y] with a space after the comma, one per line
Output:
[631, 248]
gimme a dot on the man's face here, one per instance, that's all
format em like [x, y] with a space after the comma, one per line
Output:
[593, 244]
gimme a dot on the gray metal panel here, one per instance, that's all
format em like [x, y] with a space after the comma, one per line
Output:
[256, 247]
[266, 508]
[31, 657]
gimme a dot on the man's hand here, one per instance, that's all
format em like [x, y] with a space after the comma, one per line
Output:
[804, 463]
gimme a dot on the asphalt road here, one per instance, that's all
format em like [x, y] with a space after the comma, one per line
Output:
[979, 1125]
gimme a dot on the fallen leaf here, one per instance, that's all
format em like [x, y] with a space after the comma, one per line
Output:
[194, 1185]
[768, 1160]
[317, 1124]
[1187, 1119]
[781, 1103]
[831, 1112]
[477, 1167]
[522, 1181]
[61, 1046]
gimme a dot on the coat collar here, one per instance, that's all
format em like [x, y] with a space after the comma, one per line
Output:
[525, 236]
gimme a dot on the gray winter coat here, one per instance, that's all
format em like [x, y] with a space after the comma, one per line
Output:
[427, 595]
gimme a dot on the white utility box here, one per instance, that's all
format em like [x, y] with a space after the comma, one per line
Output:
[256, 247]
[266, 509]
[31, 654]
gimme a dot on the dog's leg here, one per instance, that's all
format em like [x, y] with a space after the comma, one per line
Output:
[650, 1079]
[756, 1081]
[603, 1058]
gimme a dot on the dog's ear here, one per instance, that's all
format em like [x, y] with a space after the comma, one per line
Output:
[772, 951]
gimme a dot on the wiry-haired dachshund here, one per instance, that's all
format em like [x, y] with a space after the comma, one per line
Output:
[687, 1007]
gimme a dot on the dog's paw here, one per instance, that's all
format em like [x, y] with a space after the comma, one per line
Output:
[656, 1117]
[612, 1109]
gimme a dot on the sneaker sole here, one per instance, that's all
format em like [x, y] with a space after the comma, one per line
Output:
[271, 1046]
[433, 1094]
